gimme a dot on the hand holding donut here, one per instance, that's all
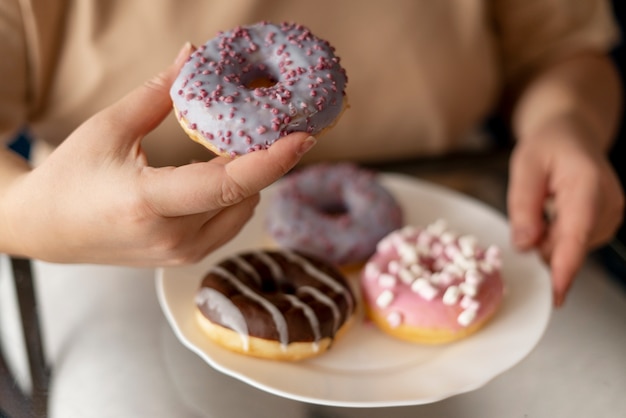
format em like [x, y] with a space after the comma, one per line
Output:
[96, 200]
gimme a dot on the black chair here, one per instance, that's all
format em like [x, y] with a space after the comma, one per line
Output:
[14, 403]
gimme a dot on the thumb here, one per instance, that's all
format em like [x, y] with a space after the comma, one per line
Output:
[220, 182]
[144, 108]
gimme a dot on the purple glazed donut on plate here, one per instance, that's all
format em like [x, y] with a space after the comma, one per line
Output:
[246, 88]
[337, 212]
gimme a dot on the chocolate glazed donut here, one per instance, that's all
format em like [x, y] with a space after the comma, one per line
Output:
[282, 304]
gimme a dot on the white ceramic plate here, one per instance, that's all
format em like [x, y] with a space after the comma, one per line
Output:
[366, 368]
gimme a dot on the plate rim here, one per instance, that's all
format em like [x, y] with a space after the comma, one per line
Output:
[387, 178]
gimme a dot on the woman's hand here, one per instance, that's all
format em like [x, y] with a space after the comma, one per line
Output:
[564, 199]
[96, 200]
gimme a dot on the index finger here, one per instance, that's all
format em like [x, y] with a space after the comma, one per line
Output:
[219, 183]
[575, 218]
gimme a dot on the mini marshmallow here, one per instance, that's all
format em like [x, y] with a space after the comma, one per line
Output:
[406, 276]
[387, 280]
[469, 289]
[451, 295]
[393, 267]
[467, 302]
[439, 263]
[473, 276]
[385, 298]
[445, 279]
[436, 249]
[417, 270]
[486, 267]
[423, 288]
[451, 251]
[424, 239]
[394, 319]
[408, 231]
[453, 270]
[408, 254]
[466, 317]
[492, 253]
[438, 227]
[447, 237]
[468, 245]
[422, 249]
[384, 245]
[372, 271]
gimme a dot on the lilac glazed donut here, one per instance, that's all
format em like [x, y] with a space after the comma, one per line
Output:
[246, 88]
[337, 212]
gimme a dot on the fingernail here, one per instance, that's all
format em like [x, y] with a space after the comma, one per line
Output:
[306, 145]
[559, 299]
[183, 53]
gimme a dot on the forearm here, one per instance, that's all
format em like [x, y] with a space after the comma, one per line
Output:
[12, 167]
[580, 93]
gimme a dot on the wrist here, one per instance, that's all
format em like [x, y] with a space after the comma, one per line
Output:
[13, 169]
[569, 127]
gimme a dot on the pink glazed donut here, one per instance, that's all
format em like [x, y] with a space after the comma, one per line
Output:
[246, 88]
[337, 212]
[431, 285]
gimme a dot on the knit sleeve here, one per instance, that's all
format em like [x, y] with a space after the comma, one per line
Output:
[531, 33]
[13, 70]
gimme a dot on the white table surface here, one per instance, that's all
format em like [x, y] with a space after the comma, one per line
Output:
[114, 355]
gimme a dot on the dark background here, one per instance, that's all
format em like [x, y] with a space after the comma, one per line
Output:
[614, 255]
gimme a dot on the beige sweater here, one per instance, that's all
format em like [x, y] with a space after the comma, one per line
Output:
[422, 73]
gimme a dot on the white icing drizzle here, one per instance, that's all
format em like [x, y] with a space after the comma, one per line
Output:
[277, 316]
[321, 276]
[320, 296]
[228, 314]
[310, 314]
[277, 272]
[247, 267]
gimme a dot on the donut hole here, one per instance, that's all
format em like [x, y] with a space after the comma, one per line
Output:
[278, 286]
[261, 82]
[261, 77]
[333, 209]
